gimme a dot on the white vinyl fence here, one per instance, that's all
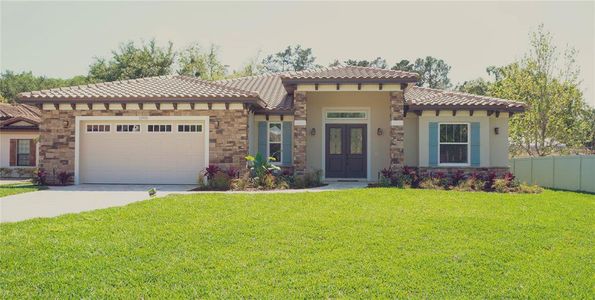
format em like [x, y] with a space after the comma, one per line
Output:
[573, 173]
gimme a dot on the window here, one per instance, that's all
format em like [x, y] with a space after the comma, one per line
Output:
[159, 128]
[275, 138]
[189, 128]
[454, 144]
[346, 115]
[98, 128]
[128, 128]
[23, 153]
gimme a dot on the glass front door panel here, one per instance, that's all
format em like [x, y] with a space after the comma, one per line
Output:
[335, 143]
[356, 140]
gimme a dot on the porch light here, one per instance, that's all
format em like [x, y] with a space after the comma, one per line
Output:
[65, 123]
[313, 131]
[379, 131]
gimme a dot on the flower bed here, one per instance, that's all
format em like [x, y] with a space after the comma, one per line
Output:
[261, 174]
[409, 177]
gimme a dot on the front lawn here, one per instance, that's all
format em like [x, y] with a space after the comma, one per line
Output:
[358, 243]
[17, 188]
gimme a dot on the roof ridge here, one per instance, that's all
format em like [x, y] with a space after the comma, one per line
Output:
[188, 78]
[468, 94]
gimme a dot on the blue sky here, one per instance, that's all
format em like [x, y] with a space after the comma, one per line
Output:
[60, 39]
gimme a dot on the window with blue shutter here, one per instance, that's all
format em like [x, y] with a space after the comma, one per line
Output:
[287, 145]
[475, 138]
[433, 144]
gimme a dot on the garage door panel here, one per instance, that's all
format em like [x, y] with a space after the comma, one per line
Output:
[141, 157]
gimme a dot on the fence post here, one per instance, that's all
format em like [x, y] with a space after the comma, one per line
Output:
[580, 172]
[554, 172]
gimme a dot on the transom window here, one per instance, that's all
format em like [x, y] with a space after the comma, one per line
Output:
[159, 128]
[189, 128]
[98, 128]
[23, 153]
[128, 128]
[346, 115]
[275, 138]
[454, 144]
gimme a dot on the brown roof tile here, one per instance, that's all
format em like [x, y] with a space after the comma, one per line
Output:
[269, 87]
[178, 87]
[351, 73]
[12, 111]
[421, 97]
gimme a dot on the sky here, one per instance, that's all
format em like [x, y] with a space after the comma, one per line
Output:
[60, 39]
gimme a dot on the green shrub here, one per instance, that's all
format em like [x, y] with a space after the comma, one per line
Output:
[220, 182]
[431, 183]
[502, 186]
[529, 189]
[268, 181]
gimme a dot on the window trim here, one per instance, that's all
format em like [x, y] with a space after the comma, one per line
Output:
[199, 128]
[468, 143]
[326, 113]
[98, 124]
[140, 128]
[165, 131]
[280, 161]
[28, 141]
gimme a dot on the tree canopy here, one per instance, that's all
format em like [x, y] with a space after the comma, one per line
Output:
[12, 83]
[296, 58]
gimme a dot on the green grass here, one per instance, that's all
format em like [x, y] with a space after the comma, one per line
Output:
[358, 243]
[17, 188]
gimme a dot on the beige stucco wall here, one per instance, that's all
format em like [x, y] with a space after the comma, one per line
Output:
[378, 104]
[493, 148]
[5, 137]
[499, 142]
[410, 139]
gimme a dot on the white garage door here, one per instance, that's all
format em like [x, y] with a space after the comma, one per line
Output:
[141, 152]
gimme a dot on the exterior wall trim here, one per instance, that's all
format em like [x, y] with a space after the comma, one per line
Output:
[78, 120]
[366, 121]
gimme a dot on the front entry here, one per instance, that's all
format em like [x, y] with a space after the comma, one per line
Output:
[346, 153]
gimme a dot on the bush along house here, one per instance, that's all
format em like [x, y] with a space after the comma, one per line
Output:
[349, 122]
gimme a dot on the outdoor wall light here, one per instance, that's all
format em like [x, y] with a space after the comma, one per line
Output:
[379, 131]
[65, 123]
[497, 130]
[313, 131]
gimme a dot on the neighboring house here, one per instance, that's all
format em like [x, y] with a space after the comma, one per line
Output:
[349, 122]
[19, 131]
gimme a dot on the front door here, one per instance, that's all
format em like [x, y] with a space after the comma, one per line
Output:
[346, 153]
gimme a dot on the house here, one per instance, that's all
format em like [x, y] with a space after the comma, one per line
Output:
[349, 122]
[19, 131]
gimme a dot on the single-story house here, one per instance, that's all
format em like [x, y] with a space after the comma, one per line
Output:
[19, 131]
[350, 122]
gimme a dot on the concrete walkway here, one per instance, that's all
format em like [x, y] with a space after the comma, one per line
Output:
[78, 198]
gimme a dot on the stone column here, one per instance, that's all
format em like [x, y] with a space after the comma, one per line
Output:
[299, 132]
[397, 156]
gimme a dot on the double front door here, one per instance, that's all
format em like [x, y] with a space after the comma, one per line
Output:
[346, 153]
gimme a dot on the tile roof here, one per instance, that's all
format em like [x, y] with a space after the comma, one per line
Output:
[351, 73]
[269, 87]
[11, 111]
[172, 86]
[426, 97]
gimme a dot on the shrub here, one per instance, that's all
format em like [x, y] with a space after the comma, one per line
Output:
[233, 172]
[489, 182]
[410, 177]
[529, 189]
[259, 166]
[220, 181]
[457, 177]
[501, 185]
[211, 171]
[201, 181]
[313, 178]
[64, 177]
[39, 177]
[268, 181]
[432, 183]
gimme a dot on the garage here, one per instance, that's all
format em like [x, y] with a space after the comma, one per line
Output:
[162, 150]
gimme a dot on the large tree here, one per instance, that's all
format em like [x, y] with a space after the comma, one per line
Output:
[131, 61]
[433, 72]
[403, 65]
[555, 116]
[294, 58]
[12, 83]
[193, 61]
[378, 62]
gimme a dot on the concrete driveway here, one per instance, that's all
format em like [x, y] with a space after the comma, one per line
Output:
[73, 199]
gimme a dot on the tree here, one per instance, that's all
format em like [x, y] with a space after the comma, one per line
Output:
[251, 68]
[403, 65]
[378, 62]
[550, 88]
[293, 58]
[477, 86]
[192, 61]
[433, 72]
[12, 83]
[130, 62]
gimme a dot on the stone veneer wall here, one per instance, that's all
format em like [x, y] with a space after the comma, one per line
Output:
[397, 155]
[228, 144]
[499, 171]
[299, 133]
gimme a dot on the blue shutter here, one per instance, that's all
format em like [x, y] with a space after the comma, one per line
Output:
[287, 137]
[475, 137]
[262, 138]
[433, 144]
